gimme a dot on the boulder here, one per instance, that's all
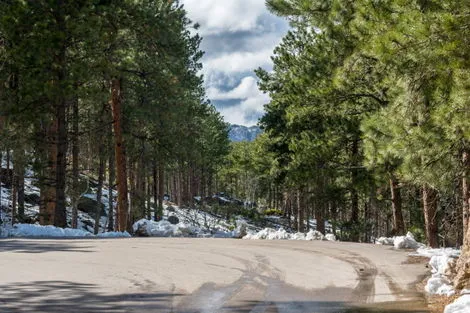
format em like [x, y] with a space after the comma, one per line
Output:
[173, 220]
[89, 206]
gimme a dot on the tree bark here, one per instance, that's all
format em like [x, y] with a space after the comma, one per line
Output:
[161, 188]
[75, 170]
[111, 179]
[398, 223]
[48, 185]
[462, 280]
[300, 212]
[466, 198]
[123, 206]
[99, 191]
[430, 200]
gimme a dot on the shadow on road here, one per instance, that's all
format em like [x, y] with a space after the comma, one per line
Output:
[43, 246]
[63, 296]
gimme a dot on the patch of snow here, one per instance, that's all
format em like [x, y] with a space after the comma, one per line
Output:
[385, 241]
[406, 242]
[430, 252]
[330, 237]
[49, 231]
[461, 305]
[439, 285]
[440, 259]
[156, 229]
[114, 234]
[282, 234]
[400, 242]
[31, 230]
[314, 235]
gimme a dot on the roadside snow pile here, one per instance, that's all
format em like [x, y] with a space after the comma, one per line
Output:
[401, 242]
[269, 234]
[114, 234]
[282, 234]
[385, 241]
[31, 230]
[330, 237]
[147, 228]
[461, 305]
[441, 259]
[406, 242]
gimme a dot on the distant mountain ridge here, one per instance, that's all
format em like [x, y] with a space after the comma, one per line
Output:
[239, 133]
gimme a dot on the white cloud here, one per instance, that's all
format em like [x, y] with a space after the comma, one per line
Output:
[248, 88]
[238, 62]
[249, 109]
[217, 16]
[238, 37]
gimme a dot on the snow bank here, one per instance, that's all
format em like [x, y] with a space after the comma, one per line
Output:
[31, 230]
[385, 241]
[400, 242]
[330, 237]
[282, 234]
[114, 235]
[149, 228]
[461, 305]
[440, 259]
[406, 242]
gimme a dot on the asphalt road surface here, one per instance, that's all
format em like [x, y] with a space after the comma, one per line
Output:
[205, 276]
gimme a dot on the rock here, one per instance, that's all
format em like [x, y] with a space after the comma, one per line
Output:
[240, 231]
[89, 206]
[33, 199]
[173, 220]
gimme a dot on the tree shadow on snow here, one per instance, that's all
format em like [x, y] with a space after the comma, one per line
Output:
[43, 246]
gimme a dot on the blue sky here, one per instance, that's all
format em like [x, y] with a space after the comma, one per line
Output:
[239, 36]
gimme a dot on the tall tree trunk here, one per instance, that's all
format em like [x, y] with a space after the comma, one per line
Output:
[111, 179]
[123, 214]
[354, 194]
[430, 200]
[14, 197]
[60, 219]
[99, 191]
[462, 280]
[466, 198]
[148, 193]
[18, 178]
[161, 188]
[47, 208]
[300, 212]
[75, 169]
[398, 223]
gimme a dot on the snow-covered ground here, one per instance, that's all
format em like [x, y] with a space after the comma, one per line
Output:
[282, 234]
[166, 229]
[32, 230]
[401, 242]
[461, 305]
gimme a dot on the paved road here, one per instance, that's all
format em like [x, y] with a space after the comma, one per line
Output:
[204, 275]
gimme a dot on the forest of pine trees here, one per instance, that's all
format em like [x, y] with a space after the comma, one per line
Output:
[368, 125]
[369, 121]
[110, 90]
